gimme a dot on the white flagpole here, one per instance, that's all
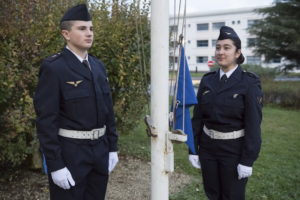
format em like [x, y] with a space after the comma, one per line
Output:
[159, 97]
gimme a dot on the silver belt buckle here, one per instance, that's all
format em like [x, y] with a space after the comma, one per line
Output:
[95, 134]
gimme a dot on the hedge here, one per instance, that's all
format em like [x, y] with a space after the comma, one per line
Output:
[29, 32]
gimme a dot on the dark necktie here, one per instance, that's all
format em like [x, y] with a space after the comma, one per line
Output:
[87, 64]
[224, 79]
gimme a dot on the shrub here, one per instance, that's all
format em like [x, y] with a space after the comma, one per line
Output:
[285, 94]
[262, 72]
[29, 32]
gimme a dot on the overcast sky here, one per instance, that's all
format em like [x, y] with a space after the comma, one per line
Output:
[200, 6]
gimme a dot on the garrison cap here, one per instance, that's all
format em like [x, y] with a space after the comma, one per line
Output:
[227, 32]
[79, 12]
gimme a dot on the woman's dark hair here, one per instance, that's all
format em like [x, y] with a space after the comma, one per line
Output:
[241, 58]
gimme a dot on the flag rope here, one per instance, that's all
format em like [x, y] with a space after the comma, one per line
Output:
[181, 44]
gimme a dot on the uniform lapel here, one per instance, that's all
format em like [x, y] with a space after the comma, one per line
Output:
[96, 69]
[233, 79]
[214, 82]
[75, 64]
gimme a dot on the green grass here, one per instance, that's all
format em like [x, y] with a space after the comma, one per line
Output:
[193, 74]
[136, 144]
[276, 173]
[197, 74]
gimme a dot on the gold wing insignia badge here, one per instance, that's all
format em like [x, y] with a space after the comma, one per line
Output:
[74, 83]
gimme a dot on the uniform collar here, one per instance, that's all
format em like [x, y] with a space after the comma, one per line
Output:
[74, 63]
[77, 56]
[229, 73]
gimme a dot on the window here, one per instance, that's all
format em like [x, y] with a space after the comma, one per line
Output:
[253, 60]
[251, 42]
[173, 59]
[202, 27]
[276, 60]
[173, 28]
[213, 43]
[233, 22]
[238, 21]
[213, 58]
[172, 43]
[252, 22]
[202, 59]
[217, 25]
[202, 43]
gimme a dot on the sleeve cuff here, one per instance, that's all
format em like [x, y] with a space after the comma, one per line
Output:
[54, 165]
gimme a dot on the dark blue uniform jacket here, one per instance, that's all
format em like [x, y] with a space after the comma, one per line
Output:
[68, 96]
[230, 107]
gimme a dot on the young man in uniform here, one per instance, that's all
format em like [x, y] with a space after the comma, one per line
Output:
[75, 118]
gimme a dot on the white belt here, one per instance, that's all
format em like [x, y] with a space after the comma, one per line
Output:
[213, 134]
[92, 135]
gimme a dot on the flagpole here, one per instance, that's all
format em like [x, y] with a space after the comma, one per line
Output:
[159, 97]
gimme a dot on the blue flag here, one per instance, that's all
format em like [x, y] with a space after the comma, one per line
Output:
[185, 98]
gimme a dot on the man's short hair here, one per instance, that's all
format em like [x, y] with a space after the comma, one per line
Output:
[66, 25]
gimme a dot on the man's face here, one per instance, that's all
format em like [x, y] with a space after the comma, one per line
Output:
[80, 36]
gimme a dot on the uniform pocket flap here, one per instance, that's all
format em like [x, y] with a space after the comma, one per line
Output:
[75, 94]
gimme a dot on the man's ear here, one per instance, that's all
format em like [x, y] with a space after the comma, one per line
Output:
[65, 34]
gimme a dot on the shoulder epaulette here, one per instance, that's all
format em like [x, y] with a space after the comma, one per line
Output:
[251, 74]
[53, 57]
[210, 73]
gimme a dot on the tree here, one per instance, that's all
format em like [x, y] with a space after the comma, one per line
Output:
[29, 32]
[278, 34]
[122, 42]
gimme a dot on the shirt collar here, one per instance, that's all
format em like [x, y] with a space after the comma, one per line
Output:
[77, 56]
[229, 73]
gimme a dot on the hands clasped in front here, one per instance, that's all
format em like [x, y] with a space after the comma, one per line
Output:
[64, 179]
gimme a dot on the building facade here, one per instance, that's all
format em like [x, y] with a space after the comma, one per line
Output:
[202, 30]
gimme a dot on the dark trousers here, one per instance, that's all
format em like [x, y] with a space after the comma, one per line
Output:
[88, 164]
[219, 160]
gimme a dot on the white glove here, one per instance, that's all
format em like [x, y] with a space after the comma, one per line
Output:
[244, 171]
[112, 161]
[194, 160]
[63, 178]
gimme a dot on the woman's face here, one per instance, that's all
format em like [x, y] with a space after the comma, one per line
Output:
[226, 54]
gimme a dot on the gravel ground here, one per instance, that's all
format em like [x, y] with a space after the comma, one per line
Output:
[130, 180]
